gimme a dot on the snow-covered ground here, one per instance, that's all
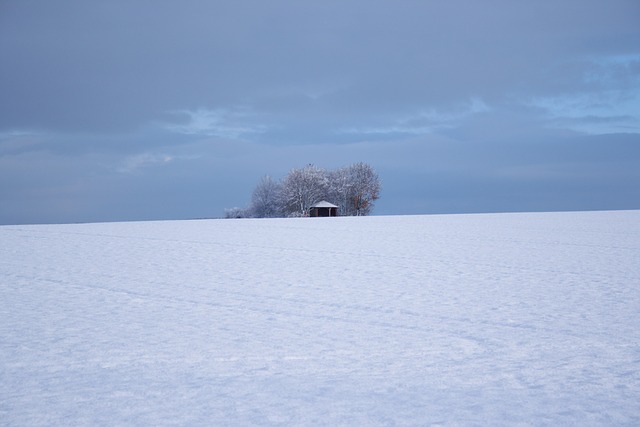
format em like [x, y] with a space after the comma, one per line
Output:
[501, 319]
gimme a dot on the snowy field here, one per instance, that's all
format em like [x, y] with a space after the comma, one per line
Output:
[501, 319]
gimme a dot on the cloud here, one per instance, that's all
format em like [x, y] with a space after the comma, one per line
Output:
[594, 113]
[604, 98]
[134, 163]
[219, 122]
[422, 122]
[115, 67]
[17, 141]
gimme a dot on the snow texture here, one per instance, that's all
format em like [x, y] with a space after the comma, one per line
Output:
[499, 319]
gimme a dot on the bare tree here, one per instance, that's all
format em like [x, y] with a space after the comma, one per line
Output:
[266, 200]
[301, 188]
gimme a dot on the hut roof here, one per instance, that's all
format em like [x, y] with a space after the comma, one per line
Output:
[324, 204]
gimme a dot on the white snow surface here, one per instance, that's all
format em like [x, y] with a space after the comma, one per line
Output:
[492, 319]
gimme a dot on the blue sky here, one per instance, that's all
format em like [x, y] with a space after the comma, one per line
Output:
[135, 110]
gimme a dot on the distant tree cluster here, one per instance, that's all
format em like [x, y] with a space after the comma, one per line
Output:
[354, 189]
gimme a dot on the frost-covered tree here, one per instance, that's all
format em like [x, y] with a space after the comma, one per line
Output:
[354, 189]
[301, 188]
[363, 189]
[339, 189]
[236, 213]
[266, 200]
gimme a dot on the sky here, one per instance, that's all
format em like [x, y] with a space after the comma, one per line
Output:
[143, 110]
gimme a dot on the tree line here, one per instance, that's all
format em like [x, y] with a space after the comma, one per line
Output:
[353, 188]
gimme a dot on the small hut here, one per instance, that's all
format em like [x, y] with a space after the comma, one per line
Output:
[323, 208]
